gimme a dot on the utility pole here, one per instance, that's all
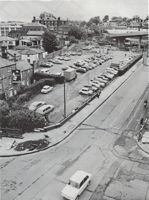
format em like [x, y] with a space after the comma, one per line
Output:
[64, 98]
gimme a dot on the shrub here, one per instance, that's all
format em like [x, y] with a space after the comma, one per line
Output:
[25, 120]
[23, 97]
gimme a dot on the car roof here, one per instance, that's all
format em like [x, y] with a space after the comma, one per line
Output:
[43, 107]
[78, 176]
[37, 102]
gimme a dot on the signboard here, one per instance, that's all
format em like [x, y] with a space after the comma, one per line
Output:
[16, 76]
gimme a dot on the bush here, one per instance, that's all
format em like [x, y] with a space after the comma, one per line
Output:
[23, 97]
[25, 120]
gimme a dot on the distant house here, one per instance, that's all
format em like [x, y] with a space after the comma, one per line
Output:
[6, 27]
[49, 20]
[9, 85]
[32, 55]
[9, 42]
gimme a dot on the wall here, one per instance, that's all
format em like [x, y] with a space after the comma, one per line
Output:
[32, 58]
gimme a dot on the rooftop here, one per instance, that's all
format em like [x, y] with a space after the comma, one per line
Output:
[23, 65]
[34, 24]
[6, 38]
[35, 33]
[5, 62]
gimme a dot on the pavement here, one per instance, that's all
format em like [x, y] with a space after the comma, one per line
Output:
[58, 135]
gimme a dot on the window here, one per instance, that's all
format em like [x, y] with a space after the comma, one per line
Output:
[84, 180]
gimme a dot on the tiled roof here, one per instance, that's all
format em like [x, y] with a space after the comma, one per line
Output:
[36, 33]
[5, 62]
[35, 24]
[23, 65]
[27, 52]
[12, 52]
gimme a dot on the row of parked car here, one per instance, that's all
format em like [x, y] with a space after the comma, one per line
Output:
[59, 59]
[83, 66]
[41, 107]
[99, 82]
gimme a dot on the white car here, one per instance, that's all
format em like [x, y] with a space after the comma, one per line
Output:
[33, 106]
[45, 109]
[86, 91]
[57, 61]
[76, 185]
[46, 89]
[67, 58]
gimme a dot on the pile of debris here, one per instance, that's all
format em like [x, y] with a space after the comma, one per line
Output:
[32, 145]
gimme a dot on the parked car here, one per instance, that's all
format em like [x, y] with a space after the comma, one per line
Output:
[47, 64]
[46, 89]
[44, 71]
[97, 85]
[45, 109]
[57, 61]
[81, 70]
[36, 104]
[108, 75]
[86, 91]
[76, 185]
[101, 80]
[67, 58]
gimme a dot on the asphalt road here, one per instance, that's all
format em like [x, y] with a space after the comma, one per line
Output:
[42, 176]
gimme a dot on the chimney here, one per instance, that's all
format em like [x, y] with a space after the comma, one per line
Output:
[4, 51]
[34, 19]
[15, 59]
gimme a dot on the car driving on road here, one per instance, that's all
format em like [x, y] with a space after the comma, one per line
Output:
[76, 185]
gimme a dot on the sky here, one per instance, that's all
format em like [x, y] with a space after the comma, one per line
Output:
[71, 9]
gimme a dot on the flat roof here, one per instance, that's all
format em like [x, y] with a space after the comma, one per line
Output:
[130, 34]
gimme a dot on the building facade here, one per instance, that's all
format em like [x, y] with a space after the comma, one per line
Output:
[9, 81]
[6, 27]
[49, 20]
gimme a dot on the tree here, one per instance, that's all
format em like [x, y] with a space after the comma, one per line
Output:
[76, 32]
[4, 110]
[95, 20]
[83, 23]
[106, 18]
[25, 119]
[49, 42]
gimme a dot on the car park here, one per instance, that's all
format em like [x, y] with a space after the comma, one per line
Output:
[45, 109]
[76, 185]
[46, 89]
[86, 91]
[36, 104]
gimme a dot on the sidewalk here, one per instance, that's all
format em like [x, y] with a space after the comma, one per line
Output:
[59, 134]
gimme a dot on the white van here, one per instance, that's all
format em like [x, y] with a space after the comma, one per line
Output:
[45, 109]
